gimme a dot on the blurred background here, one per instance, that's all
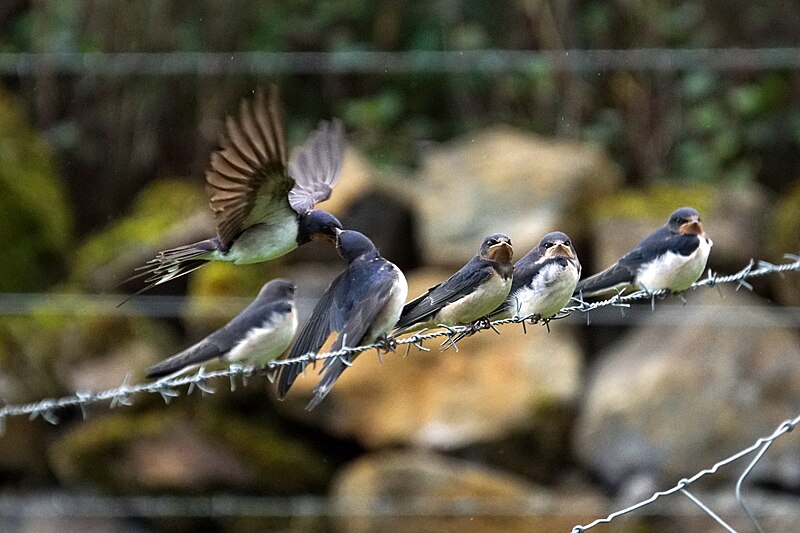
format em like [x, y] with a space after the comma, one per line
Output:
[596, 118]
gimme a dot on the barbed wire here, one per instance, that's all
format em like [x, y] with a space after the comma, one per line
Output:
[168, 388]
[122, 64]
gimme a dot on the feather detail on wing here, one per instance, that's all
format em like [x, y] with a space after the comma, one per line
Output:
[249, 168]
[316, 166]
[460, 284]
[311, 338]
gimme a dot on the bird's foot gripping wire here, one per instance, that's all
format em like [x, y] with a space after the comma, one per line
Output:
[387, 344]
[467, 331]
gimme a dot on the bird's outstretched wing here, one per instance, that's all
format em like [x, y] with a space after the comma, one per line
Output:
[460, 284]
[361, 317]
[316, 166]
[247, 178]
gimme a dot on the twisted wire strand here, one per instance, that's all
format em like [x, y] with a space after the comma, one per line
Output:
[167, 388]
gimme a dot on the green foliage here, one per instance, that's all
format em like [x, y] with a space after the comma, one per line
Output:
[155, 211]
[35, 226]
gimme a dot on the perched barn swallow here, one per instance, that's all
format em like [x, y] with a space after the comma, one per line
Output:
[671, 258]
[257, 335]
[544, 280]
[362, 304]
[263, 207]
[468, 295]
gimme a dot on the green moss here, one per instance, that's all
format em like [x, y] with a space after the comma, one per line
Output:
[35, 225]
[786, 224]
[656, 202]
[286, 464]
[155, 211]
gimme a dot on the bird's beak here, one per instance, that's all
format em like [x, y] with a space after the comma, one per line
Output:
[502, 252]
[691, 227]
[559, 250]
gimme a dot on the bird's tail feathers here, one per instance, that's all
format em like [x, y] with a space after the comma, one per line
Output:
[180, 363]
[173, 263]
[332, 372]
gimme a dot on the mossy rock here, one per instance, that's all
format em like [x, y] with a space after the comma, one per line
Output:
[157, 209]
[35, 224]
[655, 203]
[784, 237]
[171, 451]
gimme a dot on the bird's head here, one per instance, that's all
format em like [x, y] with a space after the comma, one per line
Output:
[353, 244]
[685, 221]
[497, 247]
[276, 289]
[557, 244]
[316, 224]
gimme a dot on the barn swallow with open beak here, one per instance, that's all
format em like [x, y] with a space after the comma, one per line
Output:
[544, 280]
[672, 258]
[257, 335]
[263, 206]
[468, 295]
[362, 305]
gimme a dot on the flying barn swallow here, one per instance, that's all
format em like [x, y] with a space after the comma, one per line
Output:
[671, 258]
[263, 207]
[469, 294]
[362, 304]
[257, 335]
[544, 280]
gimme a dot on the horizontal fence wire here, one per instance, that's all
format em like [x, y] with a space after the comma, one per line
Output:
[122, 64]
[168, 388]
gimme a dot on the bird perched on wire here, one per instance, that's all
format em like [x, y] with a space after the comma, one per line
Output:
[257, 335]
[544, 280]
[263, 206]
[671, 258]
[468, 295]
[362, 305]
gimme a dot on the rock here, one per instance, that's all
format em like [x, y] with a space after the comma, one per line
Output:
[670, 400]
[785, 238]
[734, 218]
[167, 213]
[35, 224]
[165, 451]
[418, 491]
[493, 387]
[502, 179]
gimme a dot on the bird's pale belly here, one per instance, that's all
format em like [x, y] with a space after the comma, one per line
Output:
[675, 272]
[476, 305]
[390, 314]
[264, 344]
[263, 242]
[547, 294]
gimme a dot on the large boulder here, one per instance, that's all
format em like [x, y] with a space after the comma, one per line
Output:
[676, 397]
[421, 491]
[502, 179]
[493, 388]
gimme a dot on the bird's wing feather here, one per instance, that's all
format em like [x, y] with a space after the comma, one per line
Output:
[360, 319]
[460, 284]
[199, 353]
[247, 177]
[311, 338]
[316, 166]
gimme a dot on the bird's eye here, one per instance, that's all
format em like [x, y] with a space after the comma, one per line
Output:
[492, 242]
[548, 245]
[567, 243]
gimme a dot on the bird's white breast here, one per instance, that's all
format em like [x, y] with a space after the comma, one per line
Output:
[673, 271]
[264, 344]
[274, 237]
[386, 319]
[547, 293]
[475, 305]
